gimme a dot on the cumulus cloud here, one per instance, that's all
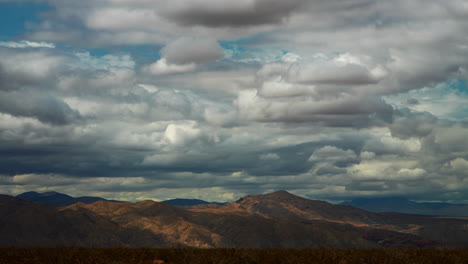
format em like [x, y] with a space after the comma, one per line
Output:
[338, 90]
[163, 67]
[19, 68]
[181, 134]
[344, 110]
[411, 174]
[383, 141]
[385, 170]
[182, 55]
[344, 69]
[459, 165]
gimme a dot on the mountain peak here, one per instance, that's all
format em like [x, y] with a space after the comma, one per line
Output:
[29, 195]
[281, 194]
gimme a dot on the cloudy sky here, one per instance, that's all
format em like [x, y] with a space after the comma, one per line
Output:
[216, 99]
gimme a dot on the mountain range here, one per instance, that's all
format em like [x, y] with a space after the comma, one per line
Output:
[275, 220]
[385, 204]
[63, 199]
[403, 205]
[58, 198]
[190, 202]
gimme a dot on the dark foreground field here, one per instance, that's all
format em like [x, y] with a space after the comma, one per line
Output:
[228, 256]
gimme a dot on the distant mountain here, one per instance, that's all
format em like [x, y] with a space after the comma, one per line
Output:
[403, 205]
[189, 202]
[276, 220]
[57, 198]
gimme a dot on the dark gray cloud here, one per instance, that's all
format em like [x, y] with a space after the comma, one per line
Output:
[412, 101]
[232, 14]
[45, 108]
[192, 50]
[344, 110]
[331, 73]
[407, 124]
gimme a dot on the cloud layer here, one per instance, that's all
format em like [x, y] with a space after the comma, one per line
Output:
[217, 99]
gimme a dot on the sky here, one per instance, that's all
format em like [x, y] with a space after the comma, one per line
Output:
[217, 99]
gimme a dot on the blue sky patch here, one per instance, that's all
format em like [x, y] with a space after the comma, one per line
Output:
[14, 17]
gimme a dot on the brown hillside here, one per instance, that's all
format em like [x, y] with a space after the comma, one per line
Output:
[276, 220]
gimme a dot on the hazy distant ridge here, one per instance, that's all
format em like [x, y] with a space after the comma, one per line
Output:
[403, 205]
[58, 198]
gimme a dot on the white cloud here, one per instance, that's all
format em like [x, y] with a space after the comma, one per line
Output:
[30, 65]
[460, 165]
[182, 134]
[382, 140]
[411, 174]
[35, 179]
[284, 89]
[269, 156]
[149, 87]
[26, 44]
[121, 18]
[290, 57]
[161, 67]
[389, 169]
[332, 154]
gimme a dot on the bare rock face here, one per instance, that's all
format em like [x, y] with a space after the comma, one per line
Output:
[275, 220]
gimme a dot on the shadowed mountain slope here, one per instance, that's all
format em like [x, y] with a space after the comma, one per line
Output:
[27, 224]
[276, 220]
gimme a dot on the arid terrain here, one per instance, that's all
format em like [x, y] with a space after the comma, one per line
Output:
[275, 220]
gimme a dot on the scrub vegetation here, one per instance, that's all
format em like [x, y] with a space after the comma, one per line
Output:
[220, 256]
